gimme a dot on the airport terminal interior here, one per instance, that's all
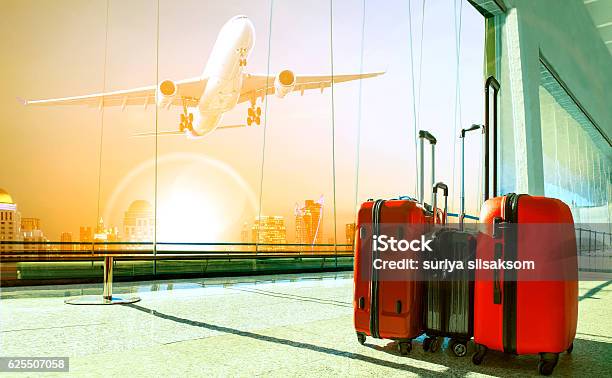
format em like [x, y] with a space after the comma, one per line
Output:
[181, 180]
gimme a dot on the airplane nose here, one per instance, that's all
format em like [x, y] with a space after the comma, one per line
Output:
[247, 25]
[241, 27]
[247, 29]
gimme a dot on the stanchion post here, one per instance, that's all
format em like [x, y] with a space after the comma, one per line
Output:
[108, 278]
[107, 290]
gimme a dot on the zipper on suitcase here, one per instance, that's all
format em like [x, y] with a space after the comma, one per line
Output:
[510, 276]
[376, 209]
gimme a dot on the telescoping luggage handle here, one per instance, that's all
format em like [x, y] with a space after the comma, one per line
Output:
[462, 137]
[440, 185]
[432, 141]
[491, 82]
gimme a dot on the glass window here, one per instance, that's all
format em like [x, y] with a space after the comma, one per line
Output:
[297, 169]
[577, 165]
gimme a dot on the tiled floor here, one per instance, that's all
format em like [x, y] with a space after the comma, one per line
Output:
[298, 325]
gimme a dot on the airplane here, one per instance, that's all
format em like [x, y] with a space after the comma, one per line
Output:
[223, 84]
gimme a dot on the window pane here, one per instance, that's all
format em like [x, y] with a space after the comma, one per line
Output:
[575, 164]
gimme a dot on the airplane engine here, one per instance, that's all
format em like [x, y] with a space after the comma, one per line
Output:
[284, 83]
[166, 91]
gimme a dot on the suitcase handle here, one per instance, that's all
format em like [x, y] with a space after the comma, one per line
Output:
[421, 176]
[440, 185]
[462, 202]
[491, 82]
[427, 135]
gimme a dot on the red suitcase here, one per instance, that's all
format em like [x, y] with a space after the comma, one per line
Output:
[384, 308]
[513, 314]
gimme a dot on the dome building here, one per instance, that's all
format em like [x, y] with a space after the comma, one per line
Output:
[139, 222]
[10, 221]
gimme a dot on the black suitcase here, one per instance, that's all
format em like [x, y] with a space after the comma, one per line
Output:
[450, 295]
[448, 310]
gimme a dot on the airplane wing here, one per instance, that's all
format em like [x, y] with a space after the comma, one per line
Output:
[188, 93]
[254, 86]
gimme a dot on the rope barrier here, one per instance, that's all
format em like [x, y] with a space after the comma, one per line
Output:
[108, 261]
[359, 110]
[421, 63]
[331, 48]
[414, 111]
[156, 142]
[265, 124]
[457, 113]
[102, 112]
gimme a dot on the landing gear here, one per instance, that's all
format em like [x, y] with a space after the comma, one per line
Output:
[254, 114]
[547, 363]
[186, 119]
[186, 122]
[404, 347]
[242, 62]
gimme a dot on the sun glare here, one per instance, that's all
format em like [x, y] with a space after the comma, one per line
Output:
[199, 199]
[187, 215]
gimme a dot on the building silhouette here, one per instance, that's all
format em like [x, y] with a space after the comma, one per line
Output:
[31, 231]
[269, 230]
[66, 237]
[309, 223]
[10, 230]
[349, 230]
[139, 222]
[245, 237]
[105, 235]
[85, 236]
[30, 224]
[10, 221]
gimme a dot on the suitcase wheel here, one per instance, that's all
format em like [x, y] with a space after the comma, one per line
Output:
[361, 337]
[404, 347]
[570, 349]
[477, 358]
[427, 344]
[459, 348]
[547, 364]
[434, 344]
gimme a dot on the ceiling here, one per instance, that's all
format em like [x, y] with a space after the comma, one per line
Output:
[601, 13]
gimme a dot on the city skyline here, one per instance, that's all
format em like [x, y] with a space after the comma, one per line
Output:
[139, 223]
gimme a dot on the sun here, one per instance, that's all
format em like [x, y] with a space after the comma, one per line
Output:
[190, 215]
[199, 199]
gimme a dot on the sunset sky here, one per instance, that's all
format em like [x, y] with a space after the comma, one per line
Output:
[50, 157]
